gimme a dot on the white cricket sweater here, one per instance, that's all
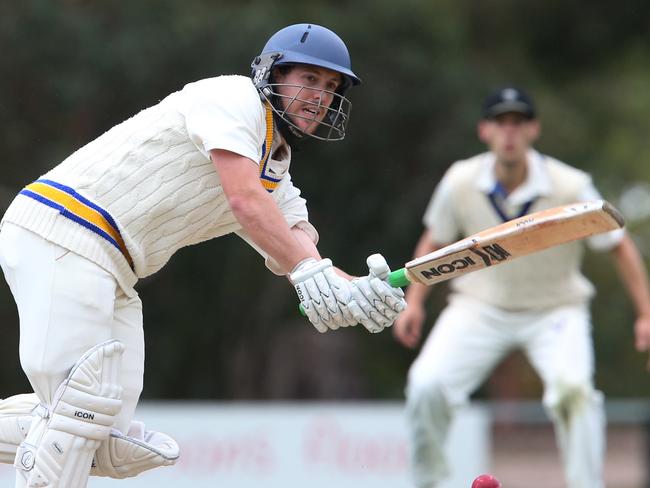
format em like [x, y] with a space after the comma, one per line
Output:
[461, 207]
[153, 175]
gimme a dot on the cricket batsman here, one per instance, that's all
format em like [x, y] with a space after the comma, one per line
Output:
[209, 160]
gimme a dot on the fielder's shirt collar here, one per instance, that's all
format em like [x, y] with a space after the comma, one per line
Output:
[537, 183]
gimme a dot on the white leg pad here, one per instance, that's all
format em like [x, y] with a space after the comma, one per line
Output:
[121, 456]
[125, 456]
[82, 415]
[15, 419]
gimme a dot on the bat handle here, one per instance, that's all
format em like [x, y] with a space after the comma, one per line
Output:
[396, 279]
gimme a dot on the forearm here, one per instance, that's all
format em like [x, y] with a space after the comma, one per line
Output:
[256, 211]
[632, 271]
[262, 220]
[416, 294]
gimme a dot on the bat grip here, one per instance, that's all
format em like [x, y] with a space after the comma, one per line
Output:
[398, 278]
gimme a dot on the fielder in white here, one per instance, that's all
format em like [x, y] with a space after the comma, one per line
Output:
[208, 160]
[538, 304]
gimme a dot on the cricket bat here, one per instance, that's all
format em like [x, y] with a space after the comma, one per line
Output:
[503, 243]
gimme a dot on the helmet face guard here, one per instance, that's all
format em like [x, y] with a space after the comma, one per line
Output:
[331, 127]
[313, 45]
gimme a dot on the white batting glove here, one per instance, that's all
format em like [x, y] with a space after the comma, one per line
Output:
[323, 294]
[376, 304]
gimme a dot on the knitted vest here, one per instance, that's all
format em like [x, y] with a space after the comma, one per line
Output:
[143, 183]
[546, 279]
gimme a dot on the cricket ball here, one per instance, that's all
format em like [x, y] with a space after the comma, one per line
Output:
[486, 481]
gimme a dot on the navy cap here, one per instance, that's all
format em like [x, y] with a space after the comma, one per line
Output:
[508, 100]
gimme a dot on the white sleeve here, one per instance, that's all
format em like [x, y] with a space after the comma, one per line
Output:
[294, 210]
[608, 240]
[439, 215]
[223, 113]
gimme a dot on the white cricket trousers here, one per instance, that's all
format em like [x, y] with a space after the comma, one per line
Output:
[66, 305]
[468, 340]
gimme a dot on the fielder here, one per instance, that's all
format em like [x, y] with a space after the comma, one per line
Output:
[538, 303]
[208, 160]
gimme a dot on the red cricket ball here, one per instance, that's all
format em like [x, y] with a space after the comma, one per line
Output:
[486, 481]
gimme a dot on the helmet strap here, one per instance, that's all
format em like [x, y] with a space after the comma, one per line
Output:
[289, 133]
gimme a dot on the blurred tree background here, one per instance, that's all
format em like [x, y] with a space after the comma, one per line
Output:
[71, 69]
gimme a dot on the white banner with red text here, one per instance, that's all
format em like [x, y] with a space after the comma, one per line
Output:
[320, 445]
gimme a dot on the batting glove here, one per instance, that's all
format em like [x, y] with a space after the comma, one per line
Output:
[323, 294]
[376, 304]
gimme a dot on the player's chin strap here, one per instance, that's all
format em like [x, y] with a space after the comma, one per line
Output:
[121, 456]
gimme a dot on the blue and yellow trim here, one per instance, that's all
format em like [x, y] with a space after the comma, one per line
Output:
[267, 181]
[78, 209]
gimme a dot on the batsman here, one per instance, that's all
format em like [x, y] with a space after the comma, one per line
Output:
[209, 160]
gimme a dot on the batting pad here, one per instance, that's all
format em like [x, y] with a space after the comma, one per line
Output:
[15, 419]
[120, 456]
[83, 412]
[125, 456]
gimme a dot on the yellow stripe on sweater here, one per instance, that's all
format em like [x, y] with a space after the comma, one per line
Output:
[81, 210]
[267, 183]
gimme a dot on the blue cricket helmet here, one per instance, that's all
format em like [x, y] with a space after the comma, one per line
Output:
[313, 45]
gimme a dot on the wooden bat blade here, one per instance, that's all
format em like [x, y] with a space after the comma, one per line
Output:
[510, 240]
